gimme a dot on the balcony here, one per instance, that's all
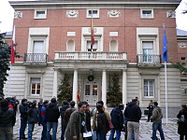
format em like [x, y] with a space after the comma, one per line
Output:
[148, 61]
[35, 59]
[111, 56]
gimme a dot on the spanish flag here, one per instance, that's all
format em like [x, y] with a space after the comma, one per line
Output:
[12, 47]
[92, 33]
[78, 96]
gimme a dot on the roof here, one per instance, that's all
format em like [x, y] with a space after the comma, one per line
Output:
[21, 4]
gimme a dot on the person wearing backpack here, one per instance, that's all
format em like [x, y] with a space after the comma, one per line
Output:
[43, 119]
[182, 122]
[101, 123]
[156, 118]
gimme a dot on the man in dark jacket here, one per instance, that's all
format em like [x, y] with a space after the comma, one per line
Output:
[33, 118]
[65, 106]
[23, 118]
[117, 121]
[68, 113]
[7, 118]
[133, 115]
[52, 115]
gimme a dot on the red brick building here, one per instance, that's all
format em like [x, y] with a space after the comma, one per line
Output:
[54, 38]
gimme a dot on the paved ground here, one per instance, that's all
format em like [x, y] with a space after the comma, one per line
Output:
[170, 130]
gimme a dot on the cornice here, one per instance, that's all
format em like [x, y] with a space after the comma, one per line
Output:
[93, 3]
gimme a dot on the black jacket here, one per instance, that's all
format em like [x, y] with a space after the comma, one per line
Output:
[52, 113]
[33, 115]
[7, 117]
[23, 111]
[182, 126]
[117, 118]
[133, 112]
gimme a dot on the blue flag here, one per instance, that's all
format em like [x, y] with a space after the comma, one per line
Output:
[164, 48]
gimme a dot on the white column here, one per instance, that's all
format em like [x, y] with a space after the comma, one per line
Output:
[55, 83]
[104, 87]
[124, 87]
[75, 85]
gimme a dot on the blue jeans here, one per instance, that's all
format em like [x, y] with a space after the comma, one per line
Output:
[112, 132]
[22, 128]
[30, 130]
[157, 126]
[53, 126]
[101, 135]
[44, 131]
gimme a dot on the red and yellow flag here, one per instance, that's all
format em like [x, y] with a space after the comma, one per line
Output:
[92, 34]
[12, 47]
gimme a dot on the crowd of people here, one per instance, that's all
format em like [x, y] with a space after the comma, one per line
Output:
[81, 123]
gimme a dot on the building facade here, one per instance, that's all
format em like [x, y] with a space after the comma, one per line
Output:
[54, 39]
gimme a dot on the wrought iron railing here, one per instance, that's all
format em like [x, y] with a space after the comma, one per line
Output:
[148, 59]
[90, 55]
[35, 58]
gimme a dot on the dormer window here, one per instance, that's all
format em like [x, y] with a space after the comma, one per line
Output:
[40, 14]
[93, 13]
[147, 13]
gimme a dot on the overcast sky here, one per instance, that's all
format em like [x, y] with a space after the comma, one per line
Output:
[6, 16]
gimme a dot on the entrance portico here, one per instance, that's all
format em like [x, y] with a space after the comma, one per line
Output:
[101, 64]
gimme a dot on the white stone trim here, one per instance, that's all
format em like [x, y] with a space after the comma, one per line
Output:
[86, 34]
[147, 34]
[38, 34]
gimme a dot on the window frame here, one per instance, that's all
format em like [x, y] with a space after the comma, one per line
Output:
[149, 58]
[35, 39]
[93, 15]
[147, 16]
[36, 88]
[156, 85]
[148, 88]
[87, 39]
[40, 10]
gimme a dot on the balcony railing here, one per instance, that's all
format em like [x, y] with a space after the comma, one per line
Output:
[148, 60]
[36, 58]
[90, 56]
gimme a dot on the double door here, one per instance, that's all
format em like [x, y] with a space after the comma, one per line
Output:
[91, 92]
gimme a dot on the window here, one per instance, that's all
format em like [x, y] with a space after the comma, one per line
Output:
[147, 48]
[35, 86]
[94, 92]
[40, 14]
[94, 47]
[147, 13]
[149, 86]
[38, 46]
[87, 90]
[92, 13]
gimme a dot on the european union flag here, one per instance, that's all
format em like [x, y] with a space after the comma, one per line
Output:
[164, 48]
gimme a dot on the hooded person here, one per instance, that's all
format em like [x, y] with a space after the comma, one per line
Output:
[23, 107]
[52, 115]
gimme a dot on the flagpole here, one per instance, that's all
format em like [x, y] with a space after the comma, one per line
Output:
[165, 59]
[166, 91]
